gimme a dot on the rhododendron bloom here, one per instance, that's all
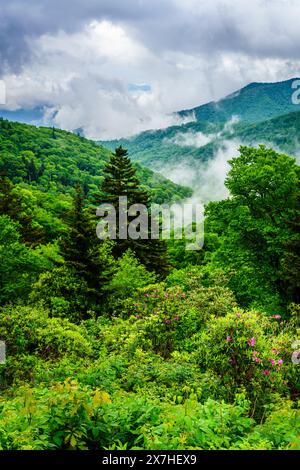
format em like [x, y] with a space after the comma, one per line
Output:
[266, 372]
[280, 362]
[228, 338]
[251, 342]
[273, 362]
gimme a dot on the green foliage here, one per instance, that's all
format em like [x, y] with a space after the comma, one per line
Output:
[19, 266]
[100, 353]
[120, 180]
[252, 225]
[129, 276]
[243, 349]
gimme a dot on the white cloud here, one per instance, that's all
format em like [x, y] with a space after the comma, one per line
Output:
[205, 50]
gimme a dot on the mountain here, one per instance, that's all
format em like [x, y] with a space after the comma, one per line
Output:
[260, 112]
[52, 159]
[253, 103]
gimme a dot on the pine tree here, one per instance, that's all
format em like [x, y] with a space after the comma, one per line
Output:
[120, 180]
[11, 205]
[81, 250]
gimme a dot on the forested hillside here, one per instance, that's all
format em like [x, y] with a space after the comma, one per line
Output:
[139, 344]
[259, 113]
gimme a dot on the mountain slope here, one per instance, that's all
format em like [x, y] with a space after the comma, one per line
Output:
[253, 103]
[54, 159]
[228, 118]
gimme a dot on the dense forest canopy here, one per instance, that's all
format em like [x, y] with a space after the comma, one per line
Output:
[114, 344]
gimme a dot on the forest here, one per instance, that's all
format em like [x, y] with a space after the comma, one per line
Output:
[140, 344]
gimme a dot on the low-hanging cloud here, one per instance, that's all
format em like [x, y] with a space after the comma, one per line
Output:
[206, 179]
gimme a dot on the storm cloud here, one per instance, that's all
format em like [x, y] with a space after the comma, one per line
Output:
[116, 68]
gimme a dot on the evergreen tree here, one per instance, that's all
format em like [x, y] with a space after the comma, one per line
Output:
[11, 205]
[81, 250]
[120, 180]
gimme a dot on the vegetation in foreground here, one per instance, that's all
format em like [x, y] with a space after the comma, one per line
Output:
[124, 346]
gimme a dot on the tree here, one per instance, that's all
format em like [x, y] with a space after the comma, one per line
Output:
[11, 205]
[82, 253]
[120, 180]
[19, 265]
[251, 224]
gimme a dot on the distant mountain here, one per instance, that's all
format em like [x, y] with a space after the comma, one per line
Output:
[260, 112]
[254, 103]
[34, 116]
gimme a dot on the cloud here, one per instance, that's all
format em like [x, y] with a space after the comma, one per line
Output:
[200, 139]
[207, 179]
[81, 59]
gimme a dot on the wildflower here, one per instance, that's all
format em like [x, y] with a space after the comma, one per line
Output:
[280, 362]
[255, 358]
[251, 342]
[228, 338]
[275, 351]
[273, 362]
[266, 372]
[166, 321]
[238, 315]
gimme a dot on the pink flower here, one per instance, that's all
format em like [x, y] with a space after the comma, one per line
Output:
[177, 318]
[280, 362]
[228, 338]
[277, 317]
[273, 362]
[255, 358]
[275, 351]
[266, 372]
[238, 315]
[251, 342]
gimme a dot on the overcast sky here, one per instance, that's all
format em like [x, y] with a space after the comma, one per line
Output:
[115, 68]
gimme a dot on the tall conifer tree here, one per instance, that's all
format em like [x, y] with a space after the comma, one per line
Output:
[81, 250]
[120, 180]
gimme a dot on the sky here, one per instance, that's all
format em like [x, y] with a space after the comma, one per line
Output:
[116, 68]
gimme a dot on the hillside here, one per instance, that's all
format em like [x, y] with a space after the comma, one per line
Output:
[54, 159]
[165, 149]
[253, 103]
[255, 111]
